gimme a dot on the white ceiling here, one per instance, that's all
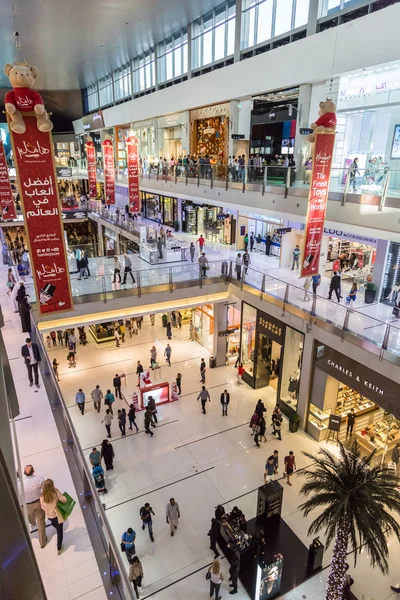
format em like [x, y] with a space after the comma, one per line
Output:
[75, 42]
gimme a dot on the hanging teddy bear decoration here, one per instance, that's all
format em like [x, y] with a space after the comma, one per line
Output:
[326, 121]
[22, 98]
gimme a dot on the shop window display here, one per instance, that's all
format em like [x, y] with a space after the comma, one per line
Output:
[210, 136]
[268, 361]
[248, 337]
[292, 361]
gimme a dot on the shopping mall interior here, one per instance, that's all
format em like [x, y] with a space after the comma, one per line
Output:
[199, 332]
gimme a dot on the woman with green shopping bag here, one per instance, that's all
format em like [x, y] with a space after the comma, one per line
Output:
[57, 507]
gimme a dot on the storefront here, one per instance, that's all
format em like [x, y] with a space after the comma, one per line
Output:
[66, 150]
[260, 226]
[160, 208]
[272, 354]
[232, 335]
[391, 276]
[145, 131]
[121, 135]
[173, 135]
[341, 384]
[214, 222]
[203, 321]
[209, 131]
[351, 254]
[82, 235]
[110, 238]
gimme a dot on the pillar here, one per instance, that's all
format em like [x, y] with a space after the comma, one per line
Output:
[220, 324]
[189, 52]
[382, 249]
[305, 380]
[301, 144]
[238, 30]
[312, 17]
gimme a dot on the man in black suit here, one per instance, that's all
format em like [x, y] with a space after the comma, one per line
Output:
[335, 286]
[32, 358]
[225, 397]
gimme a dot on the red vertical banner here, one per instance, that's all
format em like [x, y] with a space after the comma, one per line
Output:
[317, 202]
[34, 160]
[91, 164]
[109, 171]
[133, 174]
[7, 206]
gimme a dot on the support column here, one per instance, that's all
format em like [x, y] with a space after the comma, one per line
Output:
[155, 66]
[189, 52]
[238, 30]
[312, 17]
[301, 144]
[220, 324]
[382, 249]
[305, 380]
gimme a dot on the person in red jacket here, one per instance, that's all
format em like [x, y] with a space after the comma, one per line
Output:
[240, 372]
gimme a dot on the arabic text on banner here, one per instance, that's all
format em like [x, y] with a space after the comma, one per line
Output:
[91, 163]
[7, 206]
[109, 172]
[38, 187]
[317, 201]
[133, 174]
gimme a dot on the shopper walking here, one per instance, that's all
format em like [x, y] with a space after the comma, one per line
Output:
[203, 262]
[169, 331]
[201, 241]
[260, 408]
[107, 454]
[49, 499]
[269, 473]
[60, 336]
[134, 326]
[128, 269]
[306, 287]
[117, 270]
[290, 466]
[240, 371]
[151, 404]
[296, 254]
[109, 401]
[80, 400]
[128, 543]
[246, 241]
[277, 426]
[179, 319]
[122, 421]
[132, 417]
[72, 340]
[234, 575]
[152, 319]
[225, 399]
[55, 365]
[147, 421]
[122, 330]
[95, 458]
[352, 297]
[139, 371]
[263, 427]
[246, 261]
[167, 354]
[203, 371]
[351, 419]
[117, 337]
[191, 331]
[32, 485]
[108, 417]
[316, 282]
[238, 267]
[97, 397]
[203, 397]
[153, 357]
[192, 250]
[173, 515]
[216, 578]
[353, 171]
[146, 513]
[214, 534]
[31, 355]
[179, 383]
[334, 286]
[117, 386]
[136, 574]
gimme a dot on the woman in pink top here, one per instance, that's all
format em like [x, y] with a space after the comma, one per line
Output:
[48, 501]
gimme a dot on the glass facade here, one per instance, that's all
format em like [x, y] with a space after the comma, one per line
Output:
[173, 57]
[123, 83]
[291, 369]
[144, 76]
[248, 338]
[213, 35]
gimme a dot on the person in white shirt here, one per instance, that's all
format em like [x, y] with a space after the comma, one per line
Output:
[32, 485]
[173, 515]
[216, 578]
[117, 270]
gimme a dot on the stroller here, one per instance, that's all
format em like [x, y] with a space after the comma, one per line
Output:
[100, 482]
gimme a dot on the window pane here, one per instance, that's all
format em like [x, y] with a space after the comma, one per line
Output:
[185, 58]
[148, 75]
[207, 48]
[219, 42]
[93, 103]
[231, 37]
[283, 20]
[264, 26]
[196, 53]
[153, 72]
[301, 12]
[141, 79]
[178, 61]
[169, 66]
[248, 28]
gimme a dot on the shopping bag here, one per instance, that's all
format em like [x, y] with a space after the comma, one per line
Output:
[67, 508]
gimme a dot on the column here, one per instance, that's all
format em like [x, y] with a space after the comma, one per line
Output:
[238, 30]
[312, 17]
[220, 324]
[156, 66]
[100, 246]
[301, 144]
[189, 52]
[382, 249]
[305, 379]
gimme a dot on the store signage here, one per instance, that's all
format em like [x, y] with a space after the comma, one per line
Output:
[92, 173]
[317, 202]
[361, 378]
[270, 326]
[171, 120]
[7, 206]
[93, 121]
[334, 422]
[305, 131]
[133, 174]
[109, 171]
[382, 87]
[227, 332]
[238, 136]
[284, 230]
[74, 214]
[33, 155]
[362, 239]
[209, 131]
[64, 172]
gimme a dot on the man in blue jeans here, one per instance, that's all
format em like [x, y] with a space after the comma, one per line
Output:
[128, 544]
[241, 167]
[296, 254]
[145, 514]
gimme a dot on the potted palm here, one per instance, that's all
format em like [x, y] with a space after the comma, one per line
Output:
[359, 502]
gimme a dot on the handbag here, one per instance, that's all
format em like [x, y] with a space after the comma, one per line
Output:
[67, 508]
[208, 575]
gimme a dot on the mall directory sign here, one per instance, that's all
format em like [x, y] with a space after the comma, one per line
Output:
[91, 165]
[109, 171]
[133, 174]
[317, 202]
[34, 159]
[7, 206]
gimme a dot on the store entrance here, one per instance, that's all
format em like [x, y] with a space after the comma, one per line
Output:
[355, 260]
[269, 358]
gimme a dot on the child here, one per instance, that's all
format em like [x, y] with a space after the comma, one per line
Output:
[55, 368]
[48, 340]
[352, 294]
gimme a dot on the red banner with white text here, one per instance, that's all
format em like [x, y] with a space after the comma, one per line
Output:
[317, 202]
[109, 172]
[91, 167]
[7, 206]
[133, 174]
[33, 155]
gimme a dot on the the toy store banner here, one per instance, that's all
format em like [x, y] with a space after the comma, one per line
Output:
[317, 202]
[109, 172]
[91, 164]
[33, 155]
[133, 174]
[7, 206]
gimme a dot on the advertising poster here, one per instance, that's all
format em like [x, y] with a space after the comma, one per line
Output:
[7, 206]
[317, 202]
[91, 164]
[109, 172]
[269, 577]
[33, 155]
[133, 174]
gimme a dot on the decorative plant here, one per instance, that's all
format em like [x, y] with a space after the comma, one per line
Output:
[358, 499]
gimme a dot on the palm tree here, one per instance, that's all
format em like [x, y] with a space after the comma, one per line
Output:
[357, 498]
